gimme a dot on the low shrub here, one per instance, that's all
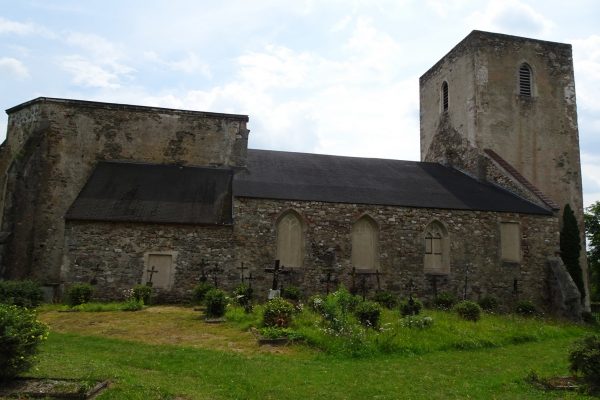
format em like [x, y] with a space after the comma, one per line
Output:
[20, 335]
[418, 322]
[526, 308]
[344, 300]
[242, 296]
[273, 332]
[79, 293]
[444, 301]
[216, 303]
[368, 313]
[315, 303]
[386, 299]
[21, 293]
[142, 293]
[584, 359]
[199, 292]
[292, 293]
[278, 312]
[468, 310]
[410, 307]
[488, 303]
[132, 305]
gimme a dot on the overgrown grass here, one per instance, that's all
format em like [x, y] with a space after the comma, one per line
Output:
[169, 353]
[87, 307]
[448, 332]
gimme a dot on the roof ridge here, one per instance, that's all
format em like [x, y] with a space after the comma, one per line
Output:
[521, 179]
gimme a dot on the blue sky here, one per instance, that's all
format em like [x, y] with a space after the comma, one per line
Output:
[335, 77]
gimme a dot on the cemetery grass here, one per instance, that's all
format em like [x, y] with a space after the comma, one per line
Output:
[169, 353]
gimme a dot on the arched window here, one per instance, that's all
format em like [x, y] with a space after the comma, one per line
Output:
[365, 244]
[525, 80]
[437, 250]
[444, 96]
[290, 240]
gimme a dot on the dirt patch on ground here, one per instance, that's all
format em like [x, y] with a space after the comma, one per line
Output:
[169, 325]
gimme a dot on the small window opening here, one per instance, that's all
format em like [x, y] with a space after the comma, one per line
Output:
[445, 96]
[525, 80]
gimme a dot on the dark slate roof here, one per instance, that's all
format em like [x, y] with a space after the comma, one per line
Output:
[316, 177]
[118, 191]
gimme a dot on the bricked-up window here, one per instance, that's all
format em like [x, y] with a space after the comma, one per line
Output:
[437, 250]
[525, 80]
[444, 96]
[290, 240]
[510, 241]
[365, 244]
[158, 270]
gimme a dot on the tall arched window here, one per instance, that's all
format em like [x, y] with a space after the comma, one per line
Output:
[444, 96]
[525, 81]
[437, 249]
[290, 240]
[365, 244]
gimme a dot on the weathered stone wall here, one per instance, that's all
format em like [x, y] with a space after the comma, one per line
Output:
[474, 244]
[538, 135]
[52, 146]
[112, 254]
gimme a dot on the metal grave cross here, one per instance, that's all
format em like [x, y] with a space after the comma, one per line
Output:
[276, 270]
[250, 278]
[203, 277]
[242, 269]
[151, 273]
[327, 281]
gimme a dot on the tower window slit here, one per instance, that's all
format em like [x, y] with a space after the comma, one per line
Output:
[525, 80]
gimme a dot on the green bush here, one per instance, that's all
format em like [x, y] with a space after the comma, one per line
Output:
[488, 303]
[199, 292]
[21, 293]
[584, 358]
[242, 296]
[468, 310]
[368, 313]
[344, 300]
[79, 293]
[273, 332]
[444, 301]
[416, 322]
[526, 308]
[278, 312]
[132, 305]
[386, 299]
[20, 335]
[410, 307]
[216, 303]
[292, 293]
[316, 302]
[142, 293]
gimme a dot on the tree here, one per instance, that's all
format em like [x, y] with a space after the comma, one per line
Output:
[592, 233]
[570, 248]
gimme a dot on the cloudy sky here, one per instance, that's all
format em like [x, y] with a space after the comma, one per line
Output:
[334, 77]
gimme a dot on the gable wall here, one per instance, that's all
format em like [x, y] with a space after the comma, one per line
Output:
[52, 147]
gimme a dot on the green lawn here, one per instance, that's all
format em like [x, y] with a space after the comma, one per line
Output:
[91, 345]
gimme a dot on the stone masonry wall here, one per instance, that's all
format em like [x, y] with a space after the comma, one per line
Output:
[474, 244]
[53, 145]
[112, 254]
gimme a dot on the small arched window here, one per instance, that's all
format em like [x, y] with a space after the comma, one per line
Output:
[290, 240]
[525, 81]
[444, 96]
[437, 249]
[365, 244]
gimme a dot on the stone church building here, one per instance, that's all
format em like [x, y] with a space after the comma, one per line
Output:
[117, 194]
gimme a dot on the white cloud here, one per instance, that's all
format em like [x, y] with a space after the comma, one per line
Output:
[190, 64]
[20, 28]
[101, 64]
[88, 74]
[512, 17]
[14, 67]
[586, 53]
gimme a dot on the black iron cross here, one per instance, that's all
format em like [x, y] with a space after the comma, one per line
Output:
[151, 273]
[250, 278]
[275, 270]
[214, 272]
[466, 282]
[363, 286]
[242, 269]
[203, 277]
[353, 281]
[327, 281]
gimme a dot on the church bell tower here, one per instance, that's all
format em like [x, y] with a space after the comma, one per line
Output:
[511, 99]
